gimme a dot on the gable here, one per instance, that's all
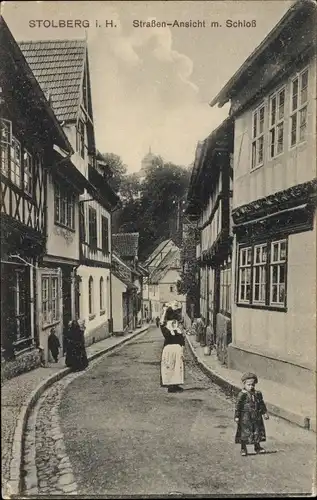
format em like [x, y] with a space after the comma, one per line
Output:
[171, 276]
[58, 66]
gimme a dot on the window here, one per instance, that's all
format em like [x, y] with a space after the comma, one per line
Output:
[266, 263]
[225, 289]
[172, 288]
[92, 228]
[15, 162]
[278, 272]
[12, 154]
[5, 142]
[245, 274]
[91, 295]
[259, 273]
[50, 302]
[299, 98]
[105, 234]
[64, 207]
[257, 137]
[28, 173]
[80, 138]
[45, 300]
[276, 132]
[102, 291]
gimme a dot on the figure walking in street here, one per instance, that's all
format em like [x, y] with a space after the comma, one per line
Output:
[76, 357]
[172, 361]
[157, 321]
[249, 413]
[54, 344]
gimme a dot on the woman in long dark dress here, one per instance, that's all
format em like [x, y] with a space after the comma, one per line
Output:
[76, 357]
[172, 361]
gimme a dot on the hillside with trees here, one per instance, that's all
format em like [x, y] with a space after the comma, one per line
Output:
[149, 205]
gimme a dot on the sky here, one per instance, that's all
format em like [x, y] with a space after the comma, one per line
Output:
[151, 87]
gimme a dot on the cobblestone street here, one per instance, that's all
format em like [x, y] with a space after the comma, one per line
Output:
[113, 430]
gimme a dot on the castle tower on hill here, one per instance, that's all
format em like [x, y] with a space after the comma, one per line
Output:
[146, 163]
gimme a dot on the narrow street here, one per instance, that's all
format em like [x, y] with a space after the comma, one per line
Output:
[125, 435]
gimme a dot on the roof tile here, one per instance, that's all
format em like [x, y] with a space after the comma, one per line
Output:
[58, 67]
[126, 244]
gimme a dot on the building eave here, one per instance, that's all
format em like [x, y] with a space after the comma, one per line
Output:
[60, 135]
[229, 89]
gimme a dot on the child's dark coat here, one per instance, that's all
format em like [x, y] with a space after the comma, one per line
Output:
[249, 410]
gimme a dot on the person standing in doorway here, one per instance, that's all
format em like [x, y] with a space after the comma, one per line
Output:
[54, 344]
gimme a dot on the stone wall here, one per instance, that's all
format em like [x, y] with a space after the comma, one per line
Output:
[21, 364]
[101, 332]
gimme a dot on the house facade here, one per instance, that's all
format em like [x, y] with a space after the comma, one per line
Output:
[94, 272]
[273, 104]
[79, 245]
[124, 293]
[158, 254]
[163, 283]
[209, 201]
[126, 246]
[30, 136]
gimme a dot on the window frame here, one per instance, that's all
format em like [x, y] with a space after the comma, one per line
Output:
[93, 229]
[225, 284]
[91, 305]
[105, 234]
[15, 166]
[296, 112]
[245, 250]
[267, 303]
[278, 121]
[257, 137]
[28, 172]
[3, 142]
[64, 207]
[50, 318]
[101, 295]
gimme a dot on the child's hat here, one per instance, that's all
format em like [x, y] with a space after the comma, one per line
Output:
[248, 376]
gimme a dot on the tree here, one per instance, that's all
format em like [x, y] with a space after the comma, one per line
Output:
[189, 282]
[118, 168]
[151, 207]
[130, 188]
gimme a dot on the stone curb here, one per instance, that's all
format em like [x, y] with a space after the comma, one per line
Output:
[14, 486]
[231, 389]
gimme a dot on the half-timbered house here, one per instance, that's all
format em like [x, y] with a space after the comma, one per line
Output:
[209, 202]
[81, 225]
[273, 104]
[30, 133]
[126, 245]
[124, 294]
[95, 305]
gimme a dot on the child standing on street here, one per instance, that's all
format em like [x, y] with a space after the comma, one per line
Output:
[249, 413]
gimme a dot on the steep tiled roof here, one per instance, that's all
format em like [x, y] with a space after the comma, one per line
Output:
[158, 249]
[167, 263]
[126, 244]
[58, 66]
